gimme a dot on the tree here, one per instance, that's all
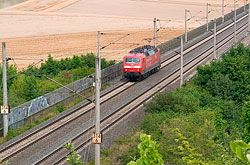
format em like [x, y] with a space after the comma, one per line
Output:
[11, 74]
[246, 120]
[25, 87]
[148, 152]
[50, 66]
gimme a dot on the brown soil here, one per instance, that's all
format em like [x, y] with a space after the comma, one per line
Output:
[63, 28]
[29, 50]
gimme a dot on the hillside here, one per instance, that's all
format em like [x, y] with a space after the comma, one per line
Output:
[195, 123]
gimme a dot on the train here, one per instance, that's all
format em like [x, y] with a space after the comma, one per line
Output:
[141, 62]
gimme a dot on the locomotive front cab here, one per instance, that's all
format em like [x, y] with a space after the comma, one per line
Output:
[132, 67]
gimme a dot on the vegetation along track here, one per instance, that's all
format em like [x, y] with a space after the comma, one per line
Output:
[23, 143]
[122, 112]
[14, 148]
[17, 146]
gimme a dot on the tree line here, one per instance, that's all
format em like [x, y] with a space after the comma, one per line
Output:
[31, 83]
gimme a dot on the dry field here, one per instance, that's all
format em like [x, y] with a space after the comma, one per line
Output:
[66, 45]
[63, 28]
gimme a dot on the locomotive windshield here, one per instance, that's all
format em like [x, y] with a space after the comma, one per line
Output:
[132, 60]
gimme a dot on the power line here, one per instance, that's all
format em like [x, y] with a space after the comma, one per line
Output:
[16, 64]
[37, 74]
[115, 41]
[24, 70]
[23, 59]
[69, 89]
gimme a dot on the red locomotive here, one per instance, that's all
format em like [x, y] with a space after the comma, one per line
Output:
[141, 61]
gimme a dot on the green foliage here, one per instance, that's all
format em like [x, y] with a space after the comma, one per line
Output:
[209, 111]
[230, 113]
[175, 102]
[32, 83]
[152, 124]
[82, 72]
[22, 89]
[6, 162]
[198, 129]
[50, 67]
[220, 136]
[246, 120]
[126, 157]
[60, 108]
[148, 152]
[188, 153]
[220, 85]
[129, 144]
[241, 149]
[11, 74]
[74, 158]
[164, 103]
[229, 78]
[47, 85]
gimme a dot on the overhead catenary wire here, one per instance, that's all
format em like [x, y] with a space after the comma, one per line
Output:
[69, 89]
[16, 65]
[44, 91]
[24, 59]
[24, 70]
[114, 41]
[43, 75]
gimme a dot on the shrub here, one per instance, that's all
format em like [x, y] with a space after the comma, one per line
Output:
[220, 85]
[184, 100]
[246, 120]
[148, 152]
[74, 158]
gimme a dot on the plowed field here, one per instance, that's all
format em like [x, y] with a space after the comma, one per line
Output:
[63, 28]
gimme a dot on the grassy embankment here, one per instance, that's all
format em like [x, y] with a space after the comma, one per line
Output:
[195, 123]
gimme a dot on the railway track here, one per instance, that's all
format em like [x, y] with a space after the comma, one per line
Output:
[124, 111]
[14, 148]
[9, 151]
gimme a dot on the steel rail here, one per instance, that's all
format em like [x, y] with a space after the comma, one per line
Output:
[206, 54]
[52, 123]
[186, 51]
[4, 158]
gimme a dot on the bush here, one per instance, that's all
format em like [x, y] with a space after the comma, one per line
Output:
[152, 124]
[148, 152]
[184, 100]
[246, 120]
[230, 78]
[220, 85]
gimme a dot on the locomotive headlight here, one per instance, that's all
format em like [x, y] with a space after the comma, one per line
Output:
[126, 70]
[138, 70]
